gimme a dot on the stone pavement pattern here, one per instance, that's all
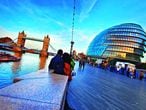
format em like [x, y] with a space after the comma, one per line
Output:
[98, 89]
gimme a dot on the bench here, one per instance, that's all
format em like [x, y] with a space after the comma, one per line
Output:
[37, 91]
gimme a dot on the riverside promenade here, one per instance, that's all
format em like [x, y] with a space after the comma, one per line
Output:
[91, 89]
[98, 89]
[37, 91]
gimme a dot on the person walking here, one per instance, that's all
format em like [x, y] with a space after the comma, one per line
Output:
[82, 63]
[141, 76]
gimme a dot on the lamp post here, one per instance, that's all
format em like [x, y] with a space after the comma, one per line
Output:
[71, 48]
[72, 42]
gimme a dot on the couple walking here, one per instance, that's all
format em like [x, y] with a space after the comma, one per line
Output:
[62, 64]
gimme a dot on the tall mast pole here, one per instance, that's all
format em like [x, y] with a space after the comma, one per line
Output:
[73, 19]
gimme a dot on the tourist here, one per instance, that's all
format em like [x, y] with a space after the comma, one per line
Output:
[132, 73]
[82, 63]
[72, 63]
[118, 69]
[105, 64]
[56, 64]
[141, 76]
[128, 72]
[67, 65]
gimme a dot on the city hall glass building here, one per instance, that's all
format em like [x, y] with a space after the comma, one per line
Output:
[125, 42]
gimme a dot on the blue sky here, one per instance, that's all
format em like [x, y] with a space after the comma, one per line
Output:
[54, 17]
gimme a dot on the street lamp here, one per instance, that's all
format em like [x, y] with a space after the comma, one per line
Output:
[71, 48]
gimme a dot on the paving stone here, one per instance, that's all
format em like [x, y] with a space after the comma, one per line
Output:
[8, 103]
[38, 74]
[97, 89]
[39, 87]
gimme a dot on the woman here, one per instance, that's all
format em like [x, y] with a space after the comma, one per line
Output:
[67, 65]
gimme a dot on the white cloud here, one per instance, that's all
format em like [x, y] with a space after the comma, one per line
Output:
[82, 39]
[35, 13]
[87, 7]
[59, 43]
[6, 8]
[55, 40]
[7, 33]
[61, 40]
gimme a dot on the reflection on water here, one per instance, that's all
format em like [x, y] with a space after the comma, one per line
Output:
[28, 63]
[16, 67]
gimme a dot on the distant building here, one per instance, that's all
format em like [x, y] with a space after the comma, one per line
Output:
[81, 55]
[123, 42]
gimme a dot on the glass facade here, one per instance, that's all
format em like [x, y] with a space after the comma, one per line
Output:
[125, 41]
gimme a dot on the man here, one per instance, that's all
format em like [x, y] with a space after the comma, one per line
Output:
[57, 64]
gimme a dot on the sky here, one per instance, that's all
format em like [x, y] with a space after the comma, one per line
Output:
[39, 18]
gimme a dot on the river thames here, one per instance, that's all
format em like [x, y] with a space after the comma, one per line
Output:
[28, 63]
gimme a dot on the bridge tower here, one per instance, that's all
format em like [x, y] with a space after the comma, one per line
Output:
[44, 51]
[20, 41]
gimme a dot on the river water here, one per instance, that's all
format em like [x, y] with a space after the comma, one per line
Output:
[28, 63]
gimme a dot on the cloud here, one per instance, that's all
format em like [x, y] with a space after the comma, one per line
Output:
[6, 33]
[82, 39]
[42, 15]
[59, 23]
[27, 12]
[6, 7]
[56, 42]
[85, 35]
[87, 7]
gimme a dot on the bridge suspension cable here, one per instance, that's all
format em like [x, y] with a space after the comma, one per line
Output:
[52, 48]
[11, 41]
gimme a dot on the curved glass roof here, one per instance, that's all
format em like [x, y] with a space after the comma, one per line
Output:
[127, 40]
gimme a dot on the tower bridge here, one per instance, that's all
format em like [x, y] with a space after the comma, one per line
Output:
[20, 45]
[22, 39]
